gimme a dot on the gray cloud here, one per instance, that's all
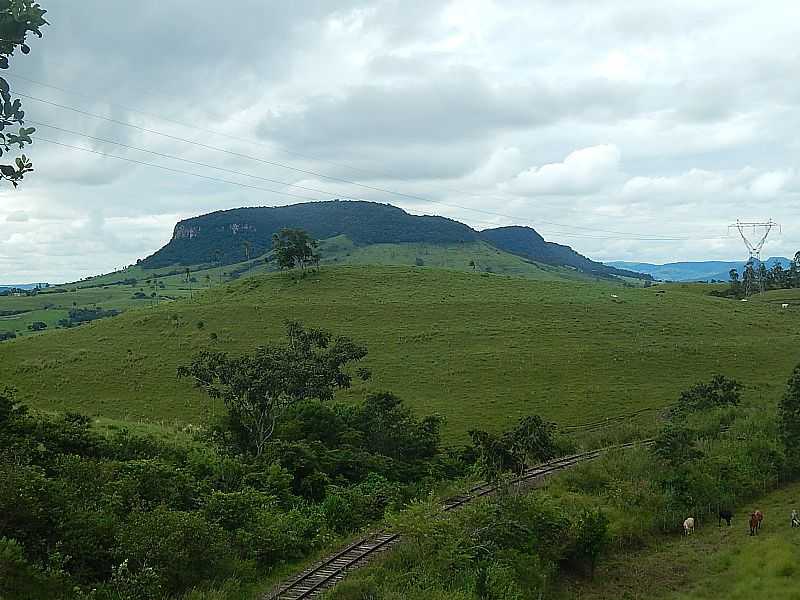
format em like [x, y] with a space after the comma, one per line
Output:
[579, 118]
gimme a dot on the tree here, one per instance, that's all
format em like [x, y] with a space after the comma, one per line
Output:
[256, 388]
[592, 536]
[675, 445]
[749, 277]
[777, 276]
[735, 285]
[720, 391]
[530, 441]
[248, 247]
[17, 19]
[294, 248]
[789, 419]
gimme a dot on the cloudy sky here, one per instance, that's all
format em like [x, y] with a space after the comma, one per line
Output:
[628, 131]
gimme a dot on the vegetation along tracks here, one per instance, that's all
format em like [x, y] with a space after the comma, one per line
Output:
[331, 570]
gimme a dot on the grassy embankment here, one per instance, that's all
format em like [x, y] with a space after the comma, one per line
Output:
[479, 349]
[107, 291]
[714, 564]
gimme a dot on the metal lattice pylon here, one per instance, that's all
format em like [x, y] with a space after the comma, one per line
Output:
[753, 281]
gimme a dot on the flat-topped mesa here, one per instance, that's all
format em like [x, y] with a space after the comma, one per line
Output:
[231, 236]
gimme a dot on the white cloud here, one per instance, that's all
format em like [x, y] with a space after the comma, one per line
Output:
[582, 172]
[18, 216]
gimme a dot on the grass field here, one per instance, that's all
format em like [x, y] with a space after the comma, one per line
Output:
[714, 564]
[479, 349]
[107, 291]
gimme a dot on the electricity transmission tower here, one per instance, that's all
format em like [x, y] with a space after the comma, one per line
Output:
[754, 281]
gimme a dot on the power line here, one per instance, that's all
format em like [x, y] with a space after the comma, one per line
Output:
[631, 236]
[254, 176]
[189, 161]
[231, 137]
[179, 171]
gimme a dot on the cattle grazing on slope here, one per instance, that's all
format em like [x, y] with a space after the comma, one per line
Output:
[725, 515]
[795, 519]
[753, 524]
[688, 526]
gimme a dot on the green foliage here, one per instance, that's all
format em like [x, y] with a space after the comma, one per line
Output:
[592, 536]
[134, 517]
[789, 420]
[529, 442]
[257, 388]
[347, 509]
[182, 548]
[720, 391]
[675, 445]
[18, 18]
[294, 248]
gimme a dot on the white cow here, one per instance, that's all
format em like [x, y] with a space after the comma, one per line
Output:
[688, 526]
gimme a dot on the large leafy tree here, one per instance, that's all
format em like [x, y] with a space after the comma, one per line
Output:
[789, 419]
[295, 248]
[18, 18]
[256, 388]
[531, 441]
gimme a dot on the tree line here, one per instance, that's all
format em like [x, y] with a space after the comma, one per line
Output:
[755, 276]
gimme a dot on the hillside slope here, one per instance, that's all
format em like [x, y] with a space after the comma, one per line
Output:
[220, 237]
[526, 242]
[477, 348]
[196, 240]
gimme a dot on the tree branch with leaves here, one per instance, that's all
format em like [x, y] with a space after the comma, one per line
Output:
[18, 18]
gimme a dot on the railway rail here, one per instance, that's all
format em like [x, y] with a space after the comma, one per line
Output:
[328, 572]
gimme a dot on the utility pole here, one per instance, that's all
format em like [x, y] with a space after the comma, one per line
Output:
[758, 232]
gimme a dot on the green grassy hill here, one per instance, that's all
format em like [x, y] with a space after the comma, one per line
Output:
[481, 349]
[117, 290]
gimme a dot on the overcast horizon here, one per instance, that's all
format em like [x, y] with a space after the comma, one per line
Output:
[634, 134]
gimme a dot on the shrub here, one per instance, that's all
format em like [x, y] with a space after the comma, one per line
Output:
[182, 548]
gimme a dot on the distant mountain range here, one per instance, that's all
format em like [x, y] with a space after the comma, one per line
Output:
[21, 286]
[220, 236]
[711, 270]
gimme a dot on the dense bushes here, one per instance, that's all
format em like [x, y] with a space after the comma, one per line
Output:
[711, 454]
[510, 547]
[132, 517]
[78, 316]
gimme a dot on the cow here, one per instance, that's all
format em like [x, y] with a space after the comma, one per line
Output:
[795, 519]
[725, 515]
[753, 524]
[688, 526]
[759, 517]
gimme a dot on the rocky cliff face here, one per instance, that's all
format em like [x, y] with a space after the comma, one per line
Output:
[185, 231]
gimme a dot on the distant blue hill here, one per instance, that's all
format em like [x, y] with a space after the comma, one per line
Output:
[21, 286]
[694, 271]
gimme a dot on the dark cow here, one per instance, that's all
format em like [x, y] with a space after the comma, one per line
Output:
[725, 515]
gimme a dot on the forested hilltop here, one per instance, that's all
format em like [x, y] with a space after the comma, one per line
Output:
[231, 236]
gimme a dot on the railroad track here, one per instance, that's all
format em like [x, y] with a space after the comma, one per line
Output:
[331, 570]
